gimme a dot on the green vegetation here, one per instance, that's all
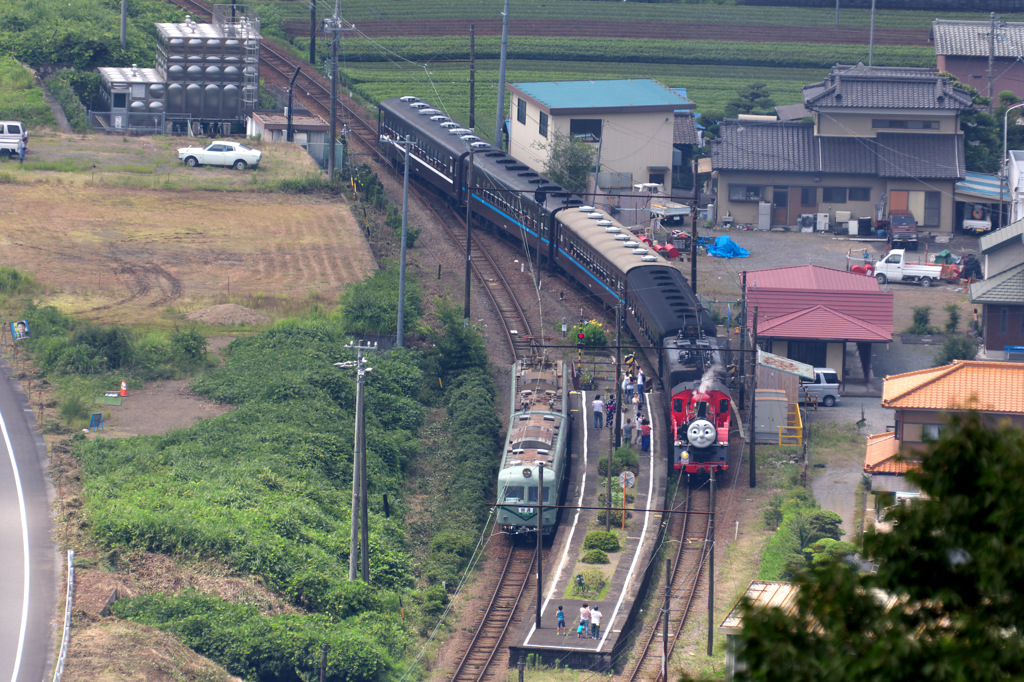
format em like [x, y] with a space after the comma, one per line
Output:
[20, 99]
[371, 306]
[801, 524]
[953, 319]
[602, 540]
[624, 458]
[568, 160]
[956, 347]
[753, 99]
[921, 324]
[593, 333]
[595, 556]
[14, 283]
[62, 89]
[947, 571]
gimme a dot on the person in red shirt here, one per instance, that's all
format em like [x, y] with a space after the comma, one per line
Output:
[645, 435]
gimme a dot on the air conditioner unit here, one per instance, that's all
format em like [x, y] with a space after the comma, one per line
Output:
[821, 222]
[843, 216]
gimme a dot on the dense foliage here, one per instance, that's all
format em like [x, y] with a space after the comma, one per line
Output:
[945, 603]
[802, 524]
[567, 161]
[371, 306]
[20, 99]
[753, 99]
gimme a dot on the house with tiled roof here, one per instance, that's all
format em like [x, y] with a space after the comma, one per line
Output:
[809, 313]
[886, 469]
[880, 139]
[633, 121]
[1002, 318]
[962, 49]
[924, 399]
[1002, 249]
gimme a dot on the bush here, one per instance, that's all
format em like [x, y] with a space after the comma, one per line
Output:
[599, 539]
[953, 321]
[188, 345]
[593, 333]
[74, 408]
[594, 556]
[773, 512]
[921, 325]
[371, 306]
[623, 458]
[955, 347]
[594, 579]
[14, 283]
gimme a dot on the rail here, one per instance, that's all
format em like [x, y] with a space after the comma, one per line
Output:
[487, 639]
[678, 579]
[59, 669]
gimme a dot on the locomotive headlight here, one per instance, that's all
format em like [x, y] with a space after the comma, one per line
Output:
[686, 454]
[680, 443]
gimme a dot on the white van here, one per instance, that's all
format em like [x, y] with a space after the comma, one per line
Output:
[824, 385]
[10, 133]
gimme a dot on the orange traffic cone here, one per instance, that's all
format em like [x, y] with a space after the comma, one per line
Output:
[124, 390]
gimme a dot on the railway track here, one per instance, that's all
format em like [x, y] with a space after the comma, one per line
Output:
[692, 533]
[478, 663]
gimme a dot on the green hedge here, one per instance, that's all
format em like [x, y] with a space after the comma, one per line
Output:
[20, 99]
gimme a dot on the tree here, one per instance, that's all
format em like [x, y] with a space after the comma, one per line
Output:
[753, 99]
[955, 347]
[946, 602]
[982, 131]
[569, 159]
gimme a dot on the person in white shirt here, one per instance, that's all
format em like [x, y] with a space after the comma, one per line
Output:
[595, 622]
[598, 407]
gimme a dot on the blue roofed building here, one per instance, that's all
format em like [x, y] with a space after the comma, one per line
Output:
[633, 121]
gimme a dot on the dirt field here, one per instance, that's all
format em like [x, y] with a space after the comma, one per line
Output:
[139, 256]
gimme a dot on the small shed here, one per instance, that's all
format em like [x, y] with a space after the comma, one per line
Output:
[762, 594]
[273, 126]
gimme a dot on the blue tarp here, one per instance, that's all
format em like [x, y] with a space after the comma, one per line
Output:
[727, 248]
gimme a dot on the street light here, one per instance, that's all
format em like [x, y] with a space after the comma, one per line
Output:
[1002, 170]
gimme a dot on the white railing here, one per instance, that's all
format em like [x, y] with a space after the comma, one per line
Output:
[67, 617]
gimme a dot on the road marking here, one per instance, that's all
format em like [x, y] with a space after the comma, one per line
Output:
[24, 548]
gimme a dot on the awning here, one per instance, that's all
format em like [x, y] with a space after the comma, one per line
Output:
[980, 187]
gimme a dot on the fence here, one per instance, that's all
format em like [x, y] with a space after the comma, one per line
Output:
[59, 670]
[128, 122]
[321, 152]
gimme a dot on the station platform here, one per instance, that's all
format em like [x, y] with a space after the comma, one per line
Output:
[634, 563]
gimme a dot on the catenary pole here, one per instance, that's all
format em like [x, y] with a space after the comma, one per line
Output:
[289, 133]
[469, 231]
[711, 567]
[312, 32]
[499, 123]
[472, 76]
[364, 502]
[752, 429]
[991, 56]
[664, 619]
[400, 341]
[124, 24]
[333, 21]
[353, 545]
[871, 38]
[743, 335]
[693, 249]
[540, 538]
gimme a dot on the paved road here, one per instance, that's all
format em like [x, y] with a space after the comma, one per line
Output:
[27, 556]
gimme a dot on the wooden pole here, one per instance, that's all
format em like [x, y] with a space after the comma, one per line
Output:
[753, 405]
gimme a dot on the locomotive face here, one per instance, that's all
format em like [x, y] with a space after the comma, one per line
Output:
[701, 433]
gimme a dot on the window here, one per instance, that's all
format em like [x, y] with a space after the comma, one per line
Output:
[521, 111]
[930, 432]
[531, 494]
[658, 178]
[833, 195]
[13, 129]
[1004, 320]
[932, 205]
[904, 125]
[514, 493]
[543, 124]
[808, 196]
[780, 197]
[860, 194]
[587, 129]
[745, 192]
[120, 100]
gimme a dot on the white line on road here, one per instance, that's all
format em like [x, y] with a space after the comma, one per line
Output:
[24, 549]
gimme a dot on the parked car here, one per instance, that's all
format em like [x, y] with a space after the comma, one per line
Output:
[10, 133]
[824, 386]
[902, 230]
[221, 153]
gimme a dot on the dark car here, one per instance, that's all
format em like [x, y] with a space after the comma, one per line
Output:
[902, 230]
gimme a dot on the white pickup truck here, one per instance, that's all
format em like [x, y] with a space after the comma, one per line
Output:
[894, 268]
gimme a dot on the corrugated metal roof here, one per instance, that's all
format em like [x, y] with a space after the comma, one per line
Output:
[873, 307]
[986, 386]
[880, 455]
[967, 38]
[786, 365]
[825, 323]
[763, 594]
[645, 92]
[981, 186]
[1003, 287]
[994, 240]
[810, 277]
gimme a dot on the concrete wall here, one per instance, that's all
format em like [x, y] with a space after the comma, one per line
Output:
[859, 124]
[1001, 259]
[524, 138]
[1009, 72]
[836, 357]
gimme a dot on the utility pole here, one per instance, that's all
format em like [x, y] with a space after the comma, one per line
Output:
[469, 229]
[323, 663]
[711, 567]
[664, 619]
[743, 334]
[618, 373]
[312, 32]
[693, 250]
[124, 25]
[400, 342]
[871, 43]
[289, 133]
[753, 403]
[498, 138]
[540, 538]
[837, 12]
[472, 76]
[991, 55]
[333, 27]
[359, 516]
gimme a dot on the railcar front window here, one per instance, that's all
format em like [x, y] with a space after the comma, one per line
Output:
[531, 494]
[514, 493]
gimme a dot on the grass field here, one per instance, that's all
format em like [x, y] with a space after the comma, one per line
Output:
[583, 10]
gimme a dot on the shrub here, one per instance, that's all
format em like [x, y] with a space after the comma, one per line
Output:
[594, 556]
[594, 579]
[371, 306]
[773, 512]
[623, 458]
[14, 283]
[953, 310]
[921, 325]
[74, 408]
[188, 345]
[593, 333]
[599, 539]
[617, 518]
[955, 347]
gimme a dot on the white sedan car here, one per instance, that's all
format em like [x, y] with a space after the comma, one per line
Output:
[221, 153]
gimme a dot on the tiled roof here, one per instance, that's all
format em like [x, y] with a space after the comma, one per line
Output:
[822, 322]
[968, 38]
[885, 88]
[874, 308]
[603, 94]
[880, 455]
[791, 112]
[810, 277]
[791, 146]
[1014, 232]
[986, 386]
[684, 129]
[1004, 287]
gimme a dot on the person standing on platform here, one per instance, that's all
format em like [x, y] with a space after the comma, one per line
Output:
[598, 406]
[637, 419]
[595, 622]
[627, 430]
[585, 619]
[645, 435]
[561, 622]
[640, 382]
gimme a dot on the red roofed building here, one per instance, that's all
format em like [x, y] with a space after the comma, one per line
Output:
[809, 313]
